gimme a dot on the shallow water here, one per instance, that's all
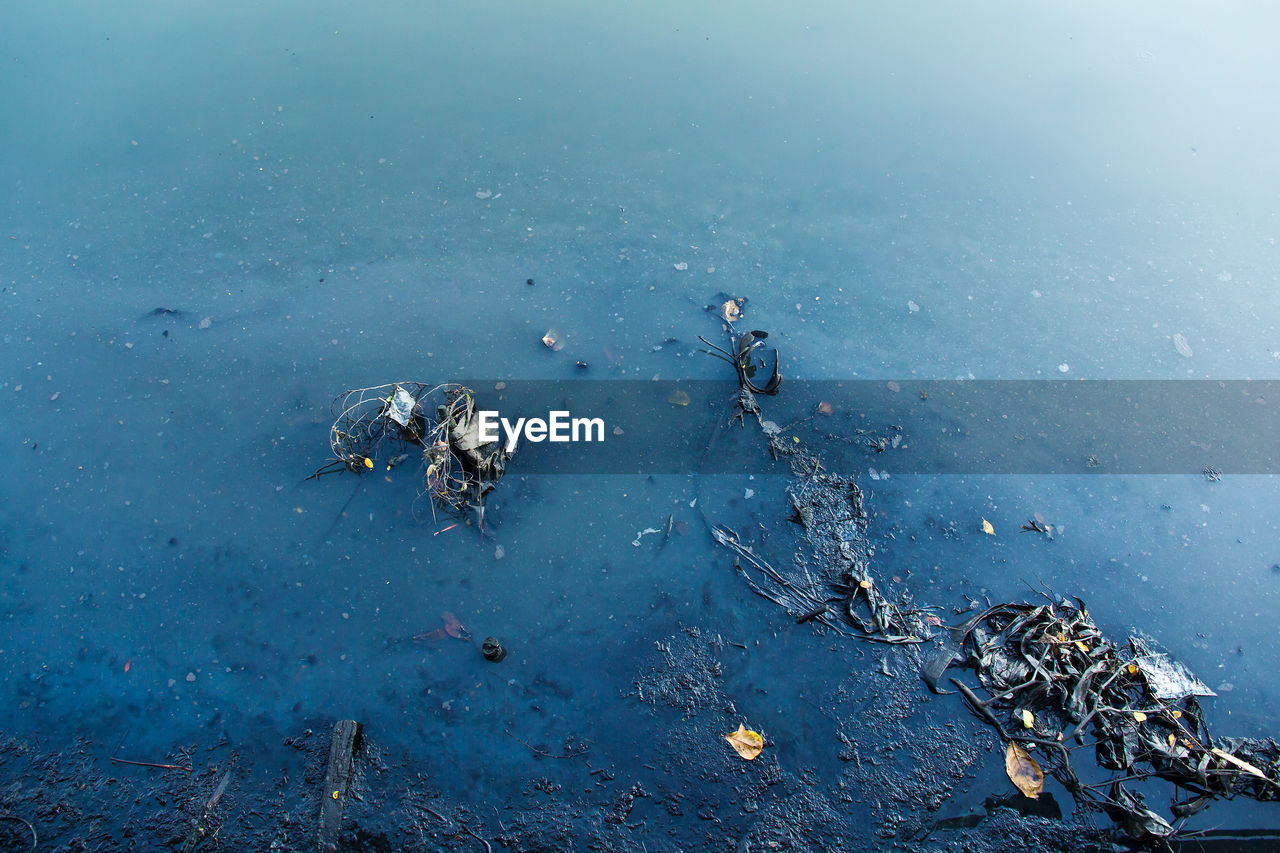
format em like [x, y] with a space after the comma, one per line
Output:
[351, 199]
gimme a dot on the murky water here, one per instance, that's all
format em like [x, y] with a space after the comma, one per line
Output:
[333, 199]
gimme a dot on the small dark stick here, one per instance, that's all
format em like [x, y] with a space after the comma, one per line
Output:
[810, 615]
[181, 767]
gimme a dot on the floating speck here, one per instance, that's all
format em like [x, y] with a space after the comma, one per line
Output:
[1064, 367]
[912, 307]
[682, 266]
[1181, 345]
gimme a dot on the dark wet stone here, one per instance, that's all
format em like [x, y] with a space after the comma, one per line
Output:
[493, 650]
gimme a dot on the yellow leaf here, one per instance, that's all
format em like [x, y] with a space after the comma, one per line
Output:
[1081, 646]
[678, 398]
[1023, 771]
[1238, 762]
[1028, 719]
[987, 528]
[746, 742]
[1139, 716]
[1177, 715]
[865, 584]
[368, 463]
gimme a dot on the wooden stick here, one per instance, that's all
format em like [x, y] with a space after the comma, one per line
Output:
[337, 780]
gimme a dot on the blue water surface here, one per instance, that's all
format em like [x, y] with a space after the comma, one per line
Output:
[335, 197]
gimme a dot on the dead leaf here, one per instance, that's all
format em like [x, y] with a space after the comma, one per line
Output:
[551, 340]
[745, 742]
[678, 398]
[1238, 762]
[824, 408]
[1023, 771]
[893, 386]
[930, 619]
[731, 310]
[987, 528]
[453, 627]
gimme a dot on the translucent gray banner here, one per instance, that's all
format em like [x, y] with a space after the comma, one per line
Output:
[901, 427]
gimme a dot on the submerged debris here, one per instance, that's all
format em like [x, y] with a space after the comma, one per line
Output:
[747, 353]
[387, 422]
[1137, 706]
[1053, 680]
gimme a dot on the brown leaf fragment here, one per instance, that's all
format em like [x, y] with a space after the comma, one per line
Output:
[731, 310]
[1023, 771]
[453, 627]
[745, 742]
